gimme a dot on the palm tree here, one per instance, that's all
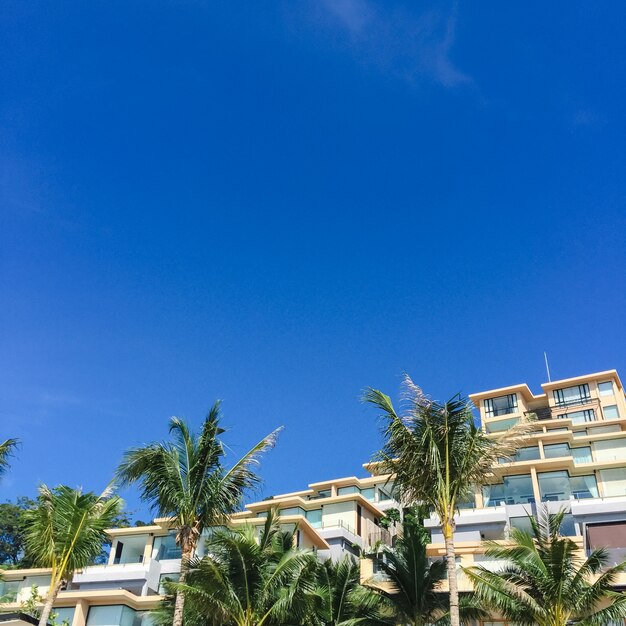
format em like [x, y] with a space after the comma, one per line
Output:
[247, 580]
[340, 599]
[545, 581]
[414, 591]
[438, 456]
[65, 532]
[6, 450]
[185, 480]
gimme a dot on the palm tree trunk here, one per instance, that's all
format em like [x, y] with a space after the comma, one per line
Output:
[53, 592]
[187, 552]
[448, 535]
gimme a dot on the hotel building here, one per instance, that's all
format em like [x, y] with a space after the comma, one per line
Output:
[575, 459]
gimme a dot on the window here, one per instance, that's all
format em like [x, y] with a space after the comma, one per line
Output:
[9, 590]
[502, 405]
[166, 547]
[554, 486]
[608, 535]
[342, 491]
[499, 426]
[560, 429]
[578, 394]
[606, 388]
[383, 496]
[325, 493]
[530, 453]
[64, 615]
[582, 455]
[568, 528]
[613, 482]
[294, 510]
[167, 578]
[580, 417]
[369, 493]
[512, 490]
[610, 412]
[314, 518]
[117, 615]
[556, 450]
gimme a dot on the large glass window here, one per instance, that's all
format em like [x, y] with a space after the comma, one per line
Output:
[324, 493]
[556, 450]
[578, 394]
[9, 590]
[611, 412]
[342, 491]
[166, 547]
[502, 405]
[315, 518]
[512, 490]
[568, 529]
[167, 578]
[294, 510]
[500, 425]
[582, 455]
[117, 615]
[580, 417]
[613, 482]
[369, 493]
[531, 453]
[561, 486]
[64, 615]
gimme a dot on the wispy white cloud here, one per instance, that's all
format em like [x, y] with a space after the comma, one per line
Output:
[410, 46]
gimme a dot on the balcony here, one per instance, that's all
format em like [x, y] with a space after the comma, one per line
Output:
[126, 576]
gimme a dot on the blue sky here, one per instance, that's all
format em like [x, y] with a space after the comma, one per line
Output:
[280, 203]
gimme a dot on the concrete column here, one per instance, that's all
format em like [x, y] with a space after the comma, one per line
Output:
[80, 613]
[147, 551]
[112, 552]
[533, 476]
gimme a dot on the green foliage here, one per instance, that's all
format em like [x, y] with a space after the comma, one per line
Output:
[65, 530]
[544, 580]
[437, 456]
[12, 535]
[7, 450]
[340, 600]
[248, 581]
[31, 605]
[414, 593]
[390, 518]
[185, 479]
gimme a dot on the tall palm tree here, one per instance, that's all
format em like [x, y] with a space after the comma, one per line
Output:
[65, 532]
[247, 580]
[6, 450]
[185, 480]
[438, 456]
[414, 591]
[340, 599]
[545, 581]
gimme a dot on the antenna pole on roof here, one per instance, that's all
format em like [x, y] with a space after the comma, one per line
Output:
[545, 357]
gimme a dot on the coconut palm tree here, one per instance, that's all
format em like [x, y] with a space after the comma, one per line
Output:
[415, 583]
[65, 532]
[250, 580]
[545, 581]
[438, 456]
[6, 450]
[185, 479]
[340, 599]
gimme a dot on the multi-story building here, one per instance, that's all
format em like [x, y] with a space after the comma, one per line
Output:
[334, 518]
[575, 459]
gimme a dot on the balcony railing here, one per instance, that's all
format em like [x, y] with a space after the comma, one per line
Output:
[560, 409]
[339, 524]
